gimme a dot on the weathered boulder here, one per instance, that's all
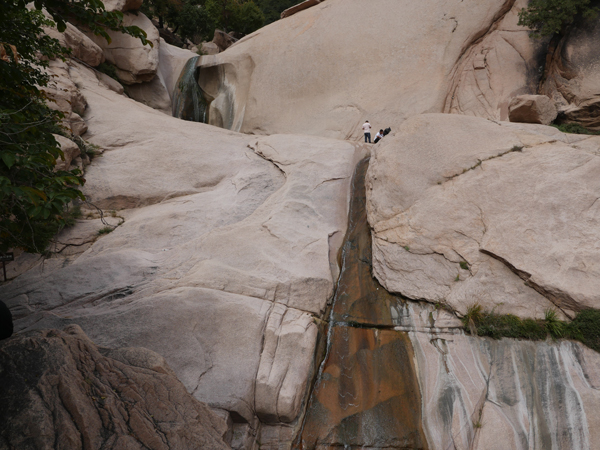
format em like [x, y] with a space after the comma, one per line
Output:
[227, 254]
[70, 151]
[58, 390]
[77, 124]
[64, 96]
[136, 63]
[110, 83]
[532, 109]
[468, 211]
[82, 47]
[62, 92]
[503, 63]
[223, 40]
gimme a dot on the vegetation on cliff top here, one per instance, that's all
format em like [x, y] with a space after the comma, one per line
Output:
[33, 197]
[197, 19]
[548, 17]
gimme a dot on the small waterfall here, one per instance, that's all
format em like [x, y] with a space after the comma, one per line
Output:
[189, 102]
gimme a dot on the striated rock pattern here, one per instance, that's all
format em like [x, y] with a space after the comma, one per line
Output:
[367, 393]
[401, 375]
[58, 390]
[469, 211]
[485, 395]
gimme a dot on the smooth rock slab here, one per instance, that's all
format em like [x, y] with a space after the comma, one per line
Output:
[515, 229]
[326, 69]
[227, 253]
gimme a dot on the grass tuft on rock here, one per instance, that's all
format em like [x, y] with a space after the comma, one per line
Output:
[585, 328]
[574, 128]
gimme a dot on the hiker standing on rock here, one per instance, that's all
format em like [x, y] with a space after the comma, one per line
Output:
[367, 130]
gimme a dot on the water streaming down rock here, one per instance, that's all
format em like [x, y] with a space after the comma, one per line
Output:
[367, 392]
[399, 375]
[189, 102]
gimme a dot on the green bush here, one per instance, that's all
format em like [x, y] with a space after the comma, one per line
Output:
[585, 328]
[108, 69]
[548, 17]
[574, 128]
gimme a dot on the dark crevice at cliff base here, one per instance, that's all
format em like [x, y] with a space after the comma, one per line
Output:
[366, 394]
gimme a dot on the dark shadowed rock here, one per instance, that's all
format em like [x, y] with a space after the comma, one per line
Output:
[57, 390]
[6, 322]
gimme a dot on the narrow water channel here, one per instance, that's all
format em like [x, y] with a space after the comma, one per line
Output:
[366, 394]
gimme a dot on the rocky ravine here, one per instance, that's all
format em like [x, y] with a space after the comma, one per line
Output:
[224, 255]
[227, 253]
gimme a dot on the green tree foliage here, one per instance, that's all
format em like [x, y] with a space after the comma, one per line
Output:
[272, 9]
[242, 16]
[193, 20]
[33, 197]
[166, 11]
[548, 17]
[199, 18]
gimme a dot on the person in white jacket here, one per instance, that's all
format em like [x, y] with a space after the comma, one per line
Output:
[378, 137]
[367, 131]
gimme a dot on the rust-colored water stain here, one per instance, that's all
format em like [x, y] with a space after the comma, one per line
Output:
[359, 297]
[366, 394]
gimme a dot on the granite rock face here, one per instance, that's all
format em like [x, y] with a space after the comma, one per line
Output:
[572, 77]
[59, 390]
[82, 47]
[135, 62]
[469, 211]
[409, 58]
[70, 152]
[226, 255]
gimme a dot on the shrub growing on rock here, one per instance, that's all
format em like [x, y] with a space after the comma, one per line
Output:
[547, 17]
[33, 197]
